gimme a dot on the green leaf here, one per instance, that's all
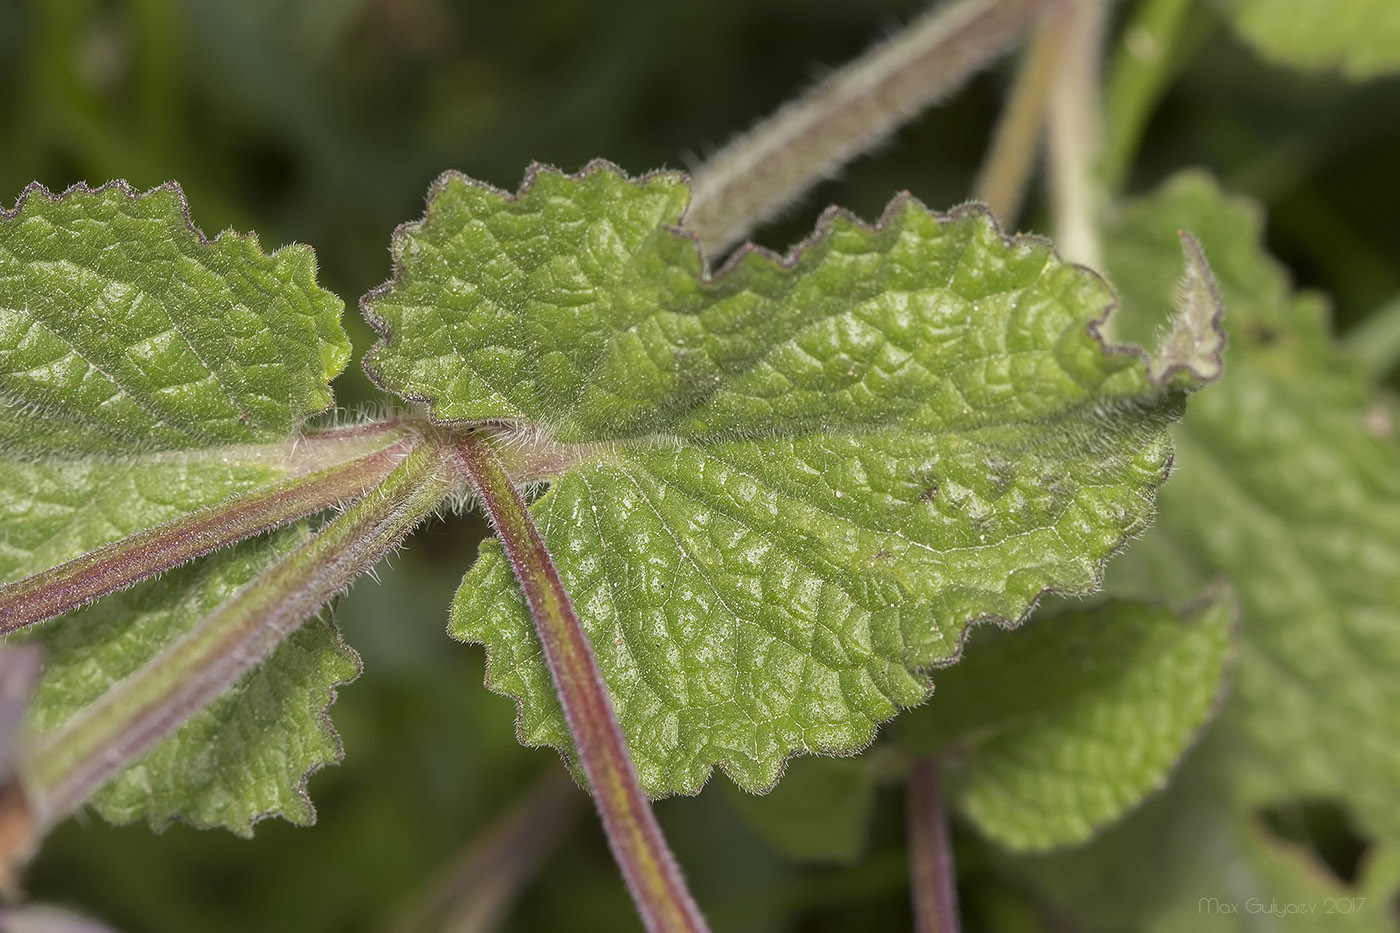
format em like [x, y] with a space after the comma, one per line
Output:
[780, 493]
[244, 757]
[1359, 38]
[1283, 485]
[1214, 869]
[145, 373]
[122, 329]
[1059, 729]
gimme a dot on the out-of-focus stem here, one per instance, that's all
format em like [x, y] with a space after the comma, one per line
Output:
[147, 553]
[932, 878]
[19, 672]
[71, 763]
[1140, 71]
[1001, 184]
[474, 891]
[846, 114]
[651, 872]
[1072, 122]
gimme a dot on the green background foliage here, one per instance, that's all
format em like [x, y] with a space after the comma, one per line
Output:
[323, 122]
[1053, 733]
[1359, 39]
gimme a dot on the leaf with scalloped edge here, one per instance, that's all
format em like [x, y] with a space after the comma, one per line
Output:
[147, 372]
[1359, 38]
[1047, 735]
[123, 329]
[1052, 732]
[1283, 483]
[779, 493]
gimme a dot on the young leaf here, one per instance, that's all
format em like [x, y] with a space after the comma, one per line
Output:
[1061, 728]
[1359, 38]
[147, 373]
[781, 492]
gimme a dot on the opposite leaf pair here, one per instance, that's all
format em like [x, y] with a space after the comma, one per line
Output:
[778, 495]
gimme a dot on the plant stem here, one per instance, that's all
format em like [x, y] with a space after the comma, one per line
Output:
[759, 173]
[130, 718]
[648, 866]
[19, 672]
[473, 892]
[1001, 184]
[1139, 73]
[932, 881]
[1072, 122]
[145, 554]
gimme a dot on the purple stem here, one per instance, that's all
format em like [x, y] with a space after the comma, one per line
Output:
[932, 880]
[475, 890]
[651, 871]
[145, 554]
[105, 738]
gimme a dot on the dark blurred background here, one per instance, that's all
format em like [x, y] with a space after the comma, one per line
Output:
[323, 122]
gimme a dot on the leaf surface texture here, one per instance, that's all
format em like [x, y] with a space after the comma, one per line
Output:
[147, 372]
[779, 493]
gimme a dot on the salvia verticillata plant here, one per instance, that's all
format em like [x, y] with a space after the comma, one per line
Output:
[748, 506]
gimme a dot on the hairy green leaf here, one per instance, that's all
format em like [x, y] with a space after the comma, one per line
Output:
[1359, 38]
[123, 329]
[1060, 728]
[778, 493]
[145, 373]
[1284, 484]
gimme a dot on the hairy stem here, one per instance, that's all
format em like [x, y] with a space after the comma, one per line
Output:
[1139, 73]
[1001, 184]
[474, 891]
[19, 672]
[130, 718]
[759, 173]
[147, 553]
[932, 880]
[647, 864]
[1072, 122]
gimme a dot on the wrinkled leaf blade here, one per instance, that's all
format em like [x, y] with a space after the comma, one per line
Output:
[147, 372]
[779, 493]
